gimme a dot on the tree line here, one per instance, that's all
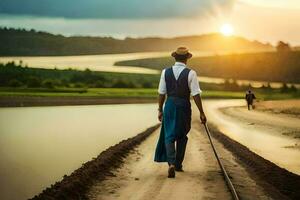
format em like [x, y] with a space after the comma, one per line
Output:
[22, 42]
[16, 75]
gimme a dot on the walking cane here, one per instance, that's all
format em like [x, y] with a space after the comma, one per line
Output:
[227, 179]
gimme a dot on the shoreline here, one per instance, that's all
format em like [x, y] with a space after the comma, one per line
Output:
[37, 101]
[75, 185]
[30, 101]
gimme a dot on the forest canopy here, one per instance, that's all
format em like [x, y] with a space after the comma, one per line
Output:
[22, 42]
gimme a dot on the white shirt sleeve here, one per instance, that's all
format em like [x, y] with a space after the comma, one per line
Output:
[194, 83]
[162, 88]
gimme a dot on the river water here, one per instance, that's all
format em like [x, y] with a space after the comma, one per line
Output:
[38, 145]
[106, 63]
[93, 62]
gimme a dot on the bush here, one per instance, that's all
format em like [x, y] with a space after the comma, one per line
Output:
[266, 87]
[147, 85]
[123, 84]
[284, 88]
[231, 85]
[33, 81]
[99, 84]
[48, 83]
[79, 85]
[293, 88]
[64, 82]
[15, 83]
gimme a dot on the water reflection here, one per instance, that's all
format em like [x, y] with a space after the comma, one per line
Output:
[93, 62]
[38, 145]
[106, 63]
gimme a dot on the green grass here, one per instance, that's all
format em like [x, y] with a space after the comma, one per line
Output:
[141, 93]
[277, 95]
[211, 94]
[92, 92]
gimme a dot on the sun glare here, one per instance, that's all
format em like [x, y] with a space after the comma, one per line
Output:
[226, 29]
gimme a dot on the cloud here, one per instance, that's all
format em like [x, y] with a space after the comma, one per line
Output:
[291, 4]
[114, 9]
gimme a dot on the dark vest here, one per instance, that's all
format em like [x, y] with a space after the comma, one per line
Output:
[180, 87]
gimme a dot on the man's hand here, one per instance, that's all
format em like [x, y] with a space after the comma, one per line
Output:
[160, 115]
[203, 118]
[198, 102]
[161, 100]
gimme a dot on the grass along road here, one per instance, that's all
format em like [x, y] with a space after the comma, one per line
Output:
[132, 93]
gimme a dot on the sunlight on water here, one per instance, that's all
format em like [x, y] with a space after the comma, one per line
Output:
[93, 62]
[106, 63]
[38, 145]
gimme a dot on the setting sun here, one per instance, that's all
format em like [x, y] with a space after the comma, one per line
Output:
[226, 29]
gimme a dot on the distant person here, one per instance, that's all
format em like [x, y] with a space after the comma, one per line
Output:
[250, 98]
[177, 83]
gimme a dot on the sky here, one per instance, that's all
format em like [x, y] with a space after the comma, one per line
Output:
[263, 20]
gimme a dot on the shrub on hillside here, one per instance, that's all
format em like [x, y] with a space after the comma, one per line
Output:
[33, 81]
[15, 83]
[123, 84]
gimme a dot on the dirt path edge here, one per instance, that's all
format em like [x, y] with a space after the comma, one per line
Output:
[76, 185]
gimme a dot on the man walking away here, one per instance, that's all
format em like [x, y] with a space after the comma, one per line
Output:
[177, 83]
[249, 98]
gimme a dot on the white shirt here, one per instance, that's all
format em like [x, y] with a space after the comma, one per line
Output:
[177, 69]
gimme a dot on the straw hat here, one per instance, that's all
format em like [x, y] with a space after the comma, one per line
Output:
[182, 51]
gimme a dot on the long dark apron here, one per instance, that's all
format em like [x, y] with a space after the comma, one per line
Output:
[176, 121]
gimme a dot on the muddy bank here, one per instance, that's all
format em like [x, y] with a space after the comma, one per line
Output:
[271, 177]
[75, 185]
[22, 101]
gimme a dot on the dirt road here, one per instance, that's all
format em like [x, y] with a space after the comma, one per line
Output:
[272, 136]
[141, 178]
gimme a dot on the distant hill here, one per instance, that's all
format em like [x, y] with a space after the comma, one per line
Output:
[21, 42]
[265, 66]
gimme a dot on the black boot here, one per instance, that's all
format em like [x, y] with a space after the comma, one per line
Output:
[171, 171]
